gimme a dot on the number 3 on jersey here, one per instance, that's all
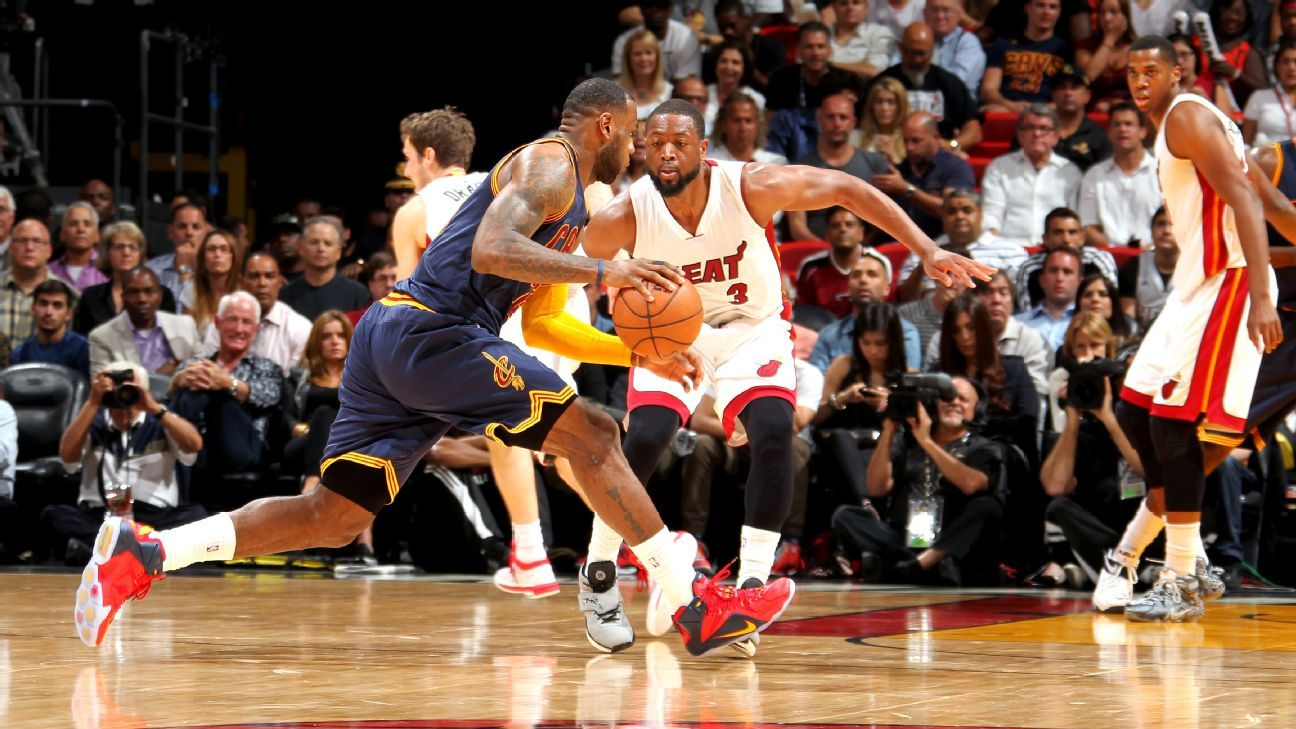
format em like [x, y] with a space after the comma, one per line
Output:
[738, 292]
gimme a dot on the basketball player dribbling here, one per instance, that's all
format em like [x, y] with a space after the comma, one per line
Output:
[712, 219]
[428, 357]
[1189, 388]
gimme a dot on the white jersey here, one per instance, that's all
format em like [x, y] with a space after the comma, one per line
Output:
[442, 198]
[731, 260]
[1204, 226]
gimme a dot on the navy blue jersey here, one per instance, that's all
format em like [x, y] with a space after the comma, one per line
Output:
[1285, 181]
[445, 281]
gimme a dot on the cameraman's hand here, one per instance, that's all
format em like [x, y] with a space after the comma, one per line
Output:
[146, 401]
[682, 367]
[102, 385]
[920, 427]
[1106, 414]
[641, 274]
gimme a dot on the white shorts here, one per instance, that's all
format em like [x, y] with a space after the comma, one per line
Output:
[1197, 362]
[743, 360]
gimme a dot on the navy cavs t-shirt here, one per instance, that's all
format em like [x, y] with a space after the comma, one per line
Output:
[1029, 67]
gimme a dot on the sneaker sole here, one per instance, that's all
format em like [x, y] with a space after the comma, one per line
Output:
[1136, 618]
[746, 647]
[761, 629]
[90, 616]
[604, 649]
[531, 592]
[656, 593]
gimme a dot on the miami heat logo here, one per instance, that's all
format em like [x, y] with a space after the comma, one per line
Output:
[506, 373]
[1169, 386]
[769, 369]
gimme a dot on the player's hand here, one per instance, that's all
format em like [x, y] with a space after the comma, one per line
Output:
[682, 367]
[1263, 326]
[944, 267]
[641, 274]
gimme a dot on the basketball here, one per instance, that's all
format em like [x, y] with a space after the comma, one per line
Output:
[661, 327]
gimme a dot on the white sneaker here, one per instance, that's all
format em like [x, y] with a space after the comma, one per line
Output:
[533, 580]
[1116, 582]
[660, 613]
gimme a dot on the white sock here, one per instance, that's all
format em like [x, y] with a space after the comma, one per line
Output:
[604, 542]
[1142, 529]
[528, 542]
[1201, 547]
[207, 540]
[756, 554]
[1182, 542]
[673, 572]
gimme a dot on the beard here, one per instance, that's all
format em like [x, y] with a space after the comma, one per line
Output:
[675, 188]
[608, 165]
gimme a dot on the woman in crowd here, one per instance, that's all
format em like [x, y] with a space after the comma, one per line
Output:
[1088, 337]
[316, 398]
[124, 250]
[1242, 70]
[642, 72]
[885, 109]
[1098, 294]
[732, 69]
[1190, 62]
[1105, 65]
[1270, 114]
[740, 132]
[215, 274]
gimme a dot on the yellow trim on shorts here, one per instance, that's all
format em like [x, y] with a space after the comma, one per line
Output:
[1230, 440]
[387, 467]
[538, 400]
[1277, 147]
[399, 299]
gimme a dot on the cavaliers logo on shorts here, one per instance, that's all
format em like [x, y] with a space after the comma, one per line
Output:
[506, 373]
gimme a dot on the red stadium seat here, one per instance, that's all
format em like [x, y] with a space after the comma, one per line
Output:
[793, 253]
[1099, 119]
[989, 149]
[896, 253]
[999, 126]
[785, 34]
[979, 165]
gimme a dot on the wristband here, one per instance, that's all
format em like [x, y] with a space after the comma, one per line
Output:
[598, 281]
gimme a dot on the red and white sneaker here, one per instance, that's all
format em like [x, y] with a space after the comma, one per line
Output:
[787, 559]
[659, 613]
[533, 580]
[720, 615]
[126, 562]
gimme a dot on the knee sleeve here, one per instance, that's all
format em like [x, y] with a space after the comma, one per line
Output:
[1180, 454]
[768, 421]
[650, 432]
[1134, 421]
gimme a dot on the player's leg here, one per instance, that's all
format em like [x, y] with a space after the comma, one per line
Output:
[529, 572]
[768, 422]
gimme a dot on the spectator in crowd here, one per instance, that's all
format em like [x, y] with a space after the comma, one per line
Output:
[187, 228]
[306, 207]
[53, 341]
[1242, 69]
[768, 54]
[740, 135]
[1145, 280]
[870, 280]
[1061, 228]
[8, 459]
[1281, 27]
[854, 398]
[1098, 294]
[1119, 195]
[926, 175]
[316, 400]
[1011, 18]
[321, 288]
[824, 278]
[927, 312]
[1080, 139]
[1190, 63]
[1088, 337]
[733, 67]
[100, 196]
[961, 220]
[1020, 187]
[643, 73]
[79, 234]
[957, 50]
[156, 340]
[377, 229]
[954, 522]
[680, 53]
[886, 106]
[125, 246]
[935, 90]
[285, 237]
[1060, 280]
[1105, 64]
[1021, 69]
[804, 85]
[638, 166]
[187, 196]
[29, 253]
[238, 230]
[35, 204]
[859, 46]
[219, 262]
[380, 277]
[1089, 458]
[137, 446]
[1269, 115]
[6, 225]
[834, 151]
[895, 15]
[968, 348]
[234, 394]
[693, 90]
[281, 337]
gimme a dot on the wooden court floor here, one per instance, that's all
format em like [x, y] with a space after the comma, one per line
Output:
[258, 649]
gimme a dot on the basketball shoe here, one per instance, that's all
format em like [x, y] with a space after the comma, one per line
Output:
[720, 615]
[125, 563]
[1175, 598]
[1211, 579]
[787, 559]
[606, 626]
[1115, 586]
[747, 646]
[533, 580]
[659, 613]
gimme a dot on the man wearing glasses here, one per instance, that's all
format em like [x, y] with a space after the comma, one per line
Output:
[6, 225]
[1020, 188]
[29, 254]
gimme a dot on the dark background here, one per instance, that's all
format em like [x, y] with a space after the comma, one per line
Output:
[313, 91]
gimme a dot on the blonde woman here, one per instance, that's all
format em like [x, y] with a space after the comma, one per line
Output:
[642, 72]
[122, 250]
[216, 274]
[885, 108]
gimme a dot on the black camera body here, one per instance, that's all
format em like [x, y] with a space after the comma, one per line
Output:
[124, 393]
[910, 390]
[1085, 383]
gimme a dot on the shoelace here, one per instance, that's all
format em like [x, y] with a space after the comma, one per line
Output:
[727, 593]
[1168, 587]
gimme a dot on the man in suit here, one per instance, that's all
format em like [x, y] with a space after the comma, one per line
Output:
[156, 340]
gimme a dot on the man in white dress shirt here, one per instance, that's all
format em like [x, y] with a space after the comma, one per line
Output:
[1021, 187]
[1118, 196]
[282, 335]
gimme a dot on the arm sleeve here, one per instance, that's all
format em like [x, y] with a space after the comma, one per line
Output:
[548, 326]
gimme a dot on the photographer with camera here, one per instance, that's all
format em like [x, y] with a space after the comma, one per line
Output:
[1091, 473]
[940, 478]
[127, 447]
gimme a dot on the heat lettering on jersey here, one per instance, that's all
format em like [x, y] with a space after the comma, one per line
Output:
[715, 269]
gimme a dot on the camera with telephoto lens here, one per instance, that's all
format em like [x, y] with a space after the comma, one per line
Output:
[1085, 381]
[909, 390]
[124, 393]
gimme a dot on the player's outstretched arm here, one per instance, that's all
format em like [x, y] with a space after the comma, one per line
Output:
[1194, 133]
[409, 230]
[770, 188]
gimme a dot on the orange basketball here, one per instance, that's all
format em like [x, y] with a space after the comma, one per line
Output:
[661, 327]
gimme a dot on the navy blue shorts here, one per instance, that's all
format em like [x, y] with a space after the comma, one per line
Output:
[413, 374]
[1275, 390]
